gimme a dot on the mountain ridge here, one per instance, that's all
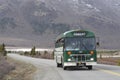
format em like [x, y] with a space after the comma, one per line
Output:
[39, 22]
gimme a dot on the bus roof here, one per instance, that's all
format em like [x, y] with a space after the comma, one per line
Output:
[73, 33]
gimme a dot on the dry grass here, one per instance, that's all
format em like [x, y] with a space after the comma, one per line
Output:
[23, 71]
[5, 67]
[42, 54]
[107, 57]
[110, 61]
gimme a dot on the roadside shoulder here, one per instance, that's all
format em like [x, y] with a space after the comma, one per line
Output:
[23, 71]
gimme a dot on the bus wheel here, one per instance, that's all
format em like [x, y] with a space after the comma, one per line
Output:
[64, 68]
[89, 67]
[58, 65]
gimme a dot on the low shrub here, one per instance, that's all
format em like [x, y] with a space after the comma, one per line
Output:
[5, 68]
[118, 62]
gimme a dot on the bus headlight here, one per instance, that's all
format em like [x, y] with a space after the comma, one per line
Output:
[69, 59]
[91, 59]
[91, 52]
[69, 53]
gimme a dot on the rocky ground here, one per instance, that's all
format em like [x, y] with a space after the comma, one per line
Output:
[5, 67]
[22, 71]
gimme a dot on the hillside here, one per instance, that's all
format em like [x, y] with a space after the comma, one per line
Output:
[38, 22]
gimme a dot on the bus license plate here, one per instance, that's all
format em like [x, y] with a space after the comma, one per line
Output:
[80, 64]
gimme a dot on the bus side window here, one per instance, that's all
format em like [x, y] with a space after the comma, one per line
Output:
[59, 43]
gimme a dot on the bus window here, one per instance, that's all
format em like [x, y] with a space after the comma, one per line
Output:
[78, 43]
[59, 43]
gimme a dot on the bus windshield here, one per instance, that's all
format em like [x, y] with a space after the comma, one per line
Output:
[78, 43]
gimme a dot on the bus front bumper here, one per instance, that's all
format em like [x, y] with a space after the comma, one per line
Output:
[79, 64]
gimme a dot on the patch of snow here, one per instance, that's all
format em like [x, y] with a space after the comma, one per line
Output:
[96, 9]
[92, 7]
[40, 13]
[117, 4]
[89, 5]
[54, 8]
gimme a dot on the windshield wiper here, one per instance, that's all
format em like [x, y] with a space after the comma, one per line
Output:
[84, 45]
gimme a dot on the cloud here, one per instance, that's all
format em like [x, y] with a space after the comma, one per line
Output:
[13, 39]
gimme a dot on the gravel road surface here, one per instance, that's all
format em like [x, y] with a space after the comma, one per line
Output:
[47, 70]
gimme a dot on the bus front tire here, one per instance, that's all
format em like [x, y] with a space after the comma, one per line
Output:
[64, 68]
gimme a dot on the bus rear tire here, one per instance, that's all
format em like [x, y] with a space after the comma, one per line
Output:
[58, 65]
[89, 67]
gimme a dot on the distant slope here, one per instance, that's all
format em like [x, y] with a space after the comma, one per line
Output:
[38, 22]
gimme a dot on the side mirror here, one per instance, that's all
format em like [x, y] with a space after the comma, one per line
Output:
[98, 44]
[97, 41]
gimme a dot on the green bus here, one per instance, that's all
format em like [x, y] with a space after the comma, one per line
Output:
[76, 48]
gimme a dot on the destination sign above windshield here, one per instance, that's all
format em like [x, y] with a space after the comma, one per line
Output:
[79, 34]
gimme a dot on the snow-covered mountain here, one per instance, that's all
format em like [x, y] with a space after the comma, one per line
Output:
[38, 22]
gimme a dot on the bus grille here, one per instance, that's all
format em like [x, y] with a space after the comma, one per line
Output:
[80, 57]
